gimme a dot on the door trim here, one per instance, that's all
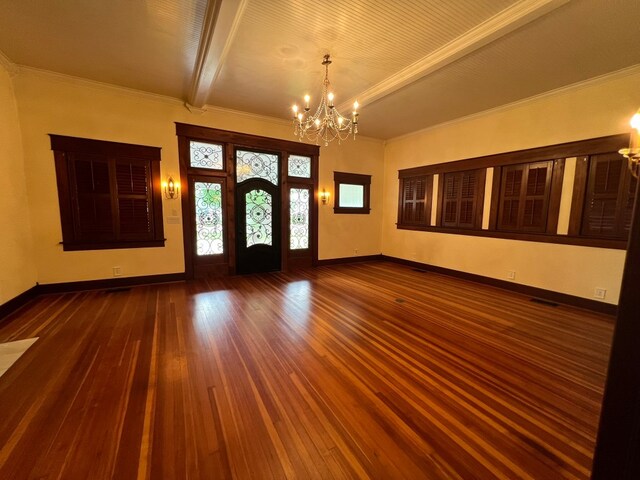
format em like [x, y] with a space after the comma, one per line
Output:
[230, 141]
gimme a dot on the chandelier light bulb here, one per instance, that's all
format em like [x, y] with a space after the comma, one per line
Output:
[317, 122]
[635, 121]
[355, 105]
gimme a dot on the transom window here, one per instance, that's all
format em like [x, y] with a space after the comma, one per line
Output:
[256, 165]
[206, 155]
[299, 166]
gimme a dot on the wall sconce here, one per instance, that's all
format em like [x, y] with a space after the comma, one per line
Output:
[324, 196]
[632, 154]
[171, 188]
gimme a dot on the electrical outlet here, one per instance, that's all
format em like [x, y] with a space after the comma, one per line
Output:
[599, 293]
[355, 251]
[511, 274]
[117, 271]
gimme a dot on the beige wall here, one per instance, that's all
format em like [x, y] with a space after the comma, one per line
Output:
[599, 108]
[51, 103]
[17, 265]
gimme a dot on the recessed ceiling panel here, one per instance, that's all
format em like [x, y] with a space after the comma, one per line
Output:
[579, 41]
[277, 52]
[143, 44]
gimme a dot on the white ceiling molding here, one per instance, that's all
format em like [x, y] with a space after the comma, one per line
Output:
[220, 24]
[605, 78]
[507, 21]
[8, 65]
[87, 83]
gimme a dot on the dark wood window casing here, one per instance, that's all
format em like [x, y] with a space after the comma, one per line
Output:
[526, 194]
[109, 194]
[414, 204]
[461, 199]
[352, 179]
[608, 198]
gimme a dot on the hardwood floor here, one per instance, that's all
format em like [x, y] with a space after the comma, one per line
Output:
[355, 371]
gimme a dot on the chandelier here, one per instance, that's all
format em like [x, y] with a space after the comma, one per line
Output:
[327, 123]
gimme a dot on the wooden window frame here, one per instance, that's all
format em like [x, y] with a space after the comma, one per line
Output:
[427, 201]
[478, 199]
[352, 179]
[65, 149]
[559, 153]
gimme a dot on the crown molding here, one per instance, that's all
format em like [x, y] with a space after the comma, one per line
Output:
[505, 22]
[85, 82]
[221, 22]
[11, 68]
[590, 82]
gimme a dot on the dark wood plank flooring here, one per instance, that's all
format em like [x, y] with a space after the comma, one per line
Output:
[355, 371]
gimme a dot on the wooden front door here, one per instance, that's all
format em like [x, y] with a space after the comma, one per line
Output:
[258, 206]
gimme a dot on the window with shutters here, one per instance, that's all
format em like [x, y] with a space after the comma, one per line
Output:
[610, 191]
[108, 193]
[415, 201]
[461, 199]
[524, 197]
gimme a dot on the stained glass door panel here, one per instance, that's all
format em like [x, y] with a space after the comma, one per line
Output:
[299, 210]
[259, 218]
[208, 218]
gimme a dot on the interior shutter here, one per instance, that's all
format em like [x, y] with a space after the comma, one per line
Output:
[414, 190]
[419, 201]
[536, 195]
[511, 192]
[609, 199]
[468, 196]
[451, 199]
[91, 188]
[133, 185]
[627, 209]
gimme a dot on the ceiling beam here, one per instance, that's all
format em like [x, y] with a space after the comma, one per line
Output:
[506, 21]
[221, 21]
[8, 65]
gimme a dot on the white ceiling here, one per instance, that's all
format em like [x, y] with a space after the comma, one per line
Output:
[411, 63]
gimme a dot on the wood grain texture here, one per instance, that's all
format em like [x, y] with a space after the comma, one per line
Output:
[352, 371]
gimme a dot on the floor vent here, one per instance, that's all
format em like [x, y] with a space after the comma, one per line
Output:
[399, 300]
[544, 302]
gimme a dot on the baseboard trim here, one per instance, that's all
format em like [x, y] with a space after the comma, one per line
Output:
[535, 292]
[109, 283]
[343, 260]
[18, 302]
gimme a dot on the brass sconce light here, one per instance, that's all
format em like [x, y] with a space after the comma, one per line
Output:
[632, 154]
[171, 188]
[324, 196]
